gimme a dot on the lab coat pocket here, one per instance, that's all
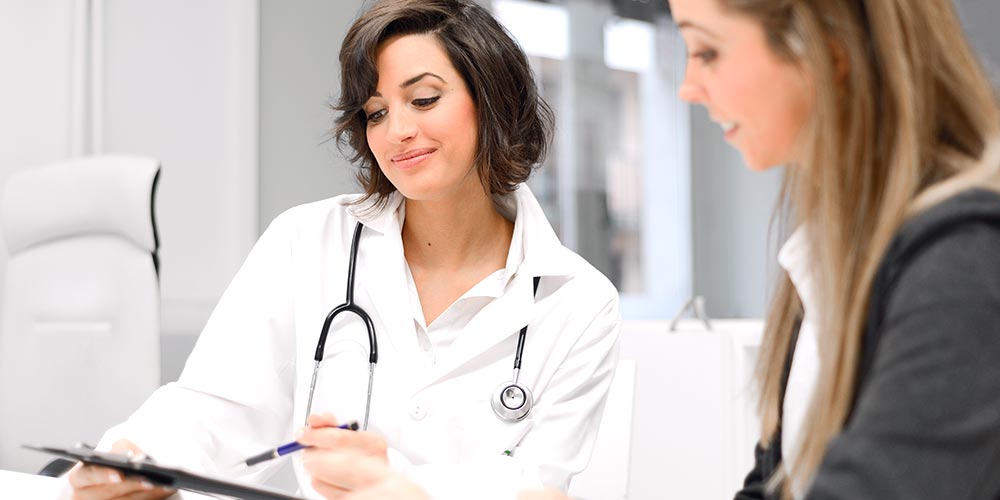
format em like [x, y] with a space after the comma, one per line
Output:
[342, 382]
[486, 436]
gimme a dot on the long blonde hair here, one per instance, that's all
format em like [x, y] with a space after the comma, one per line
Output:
[904, 117]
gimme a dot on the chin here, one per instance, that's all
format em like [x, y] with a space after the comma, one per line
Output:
[758, 164]
[419, 193]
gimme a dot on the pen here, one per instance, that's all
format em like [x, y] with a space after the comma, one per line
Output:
[288, 448]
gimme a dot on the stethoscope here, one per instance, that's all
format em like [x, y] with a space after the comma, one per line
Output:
[511, 401]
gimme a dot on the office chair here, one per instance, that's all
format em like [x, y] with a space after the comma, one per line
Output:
[79, 333]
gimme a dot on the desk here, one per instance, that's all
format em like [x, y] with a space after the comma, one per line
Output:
[20, 486]
[694, 424]
[27, 486]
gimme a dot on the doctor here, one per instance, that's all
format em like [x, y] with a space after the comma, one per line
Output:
[440, 108]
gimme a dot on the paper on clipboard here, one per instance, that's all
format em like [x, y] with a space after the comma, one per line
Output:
[160, 475]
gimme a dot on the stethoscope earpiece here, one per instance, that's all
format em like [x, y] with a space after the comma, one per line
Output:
[511, 401]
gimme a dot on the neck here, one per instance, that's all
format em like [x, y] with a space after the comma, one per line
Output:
[456, 232]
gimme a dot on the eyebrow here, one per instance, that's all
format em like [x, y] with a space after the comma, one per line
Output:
[419, 77]
[413, 80]
[688, 24]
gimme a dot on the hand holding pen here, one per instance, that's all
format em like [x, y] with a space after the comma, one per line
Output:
[340, 461]
[288, 448]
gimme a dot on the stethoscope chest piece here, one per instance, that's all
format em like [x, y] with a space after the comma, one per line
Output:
[511, 401]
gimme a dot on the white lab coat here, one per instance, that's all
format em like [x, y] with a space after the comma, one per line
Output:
[245, 386]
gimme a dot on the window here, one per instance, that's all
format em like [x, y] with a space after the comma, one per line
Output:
[616, 184]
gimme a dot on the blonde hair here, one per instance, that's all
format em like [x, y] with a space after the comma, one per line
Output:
[904, 117]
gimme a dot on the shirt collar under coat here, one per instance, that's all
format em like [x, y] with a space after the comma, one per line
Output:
[534, 248]
[796, 259]
[535, 251]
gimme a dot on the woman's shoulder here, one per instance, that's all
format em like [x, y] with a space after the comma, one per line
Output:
[333, 209]
[948, 252]
[954, 219]
[578, 277]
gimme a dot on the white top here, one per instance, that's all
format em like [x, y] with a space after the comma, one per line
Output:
[434, 338]
[795, 258]
[244, 388]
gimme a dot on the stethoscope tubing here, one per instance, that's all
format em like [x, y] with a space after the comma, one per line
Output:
[347, 306]
[350, 306]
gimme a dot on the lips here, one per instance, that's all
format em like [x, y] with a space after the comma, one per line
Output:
[728, 127]
[412, 156]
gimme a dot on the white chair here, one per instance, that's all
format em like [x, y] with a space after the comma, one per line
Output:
[606, 476]
[79, 335]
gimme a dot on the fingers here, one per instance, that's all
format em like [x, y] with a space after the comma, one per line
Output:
[324, 433]
[329, 491]
[92, 482]
[123, 490]
[393, 486]
[325, 419]
[341, 460]
[82, 476]
[546, 494]
[336, 472]
[125, 446]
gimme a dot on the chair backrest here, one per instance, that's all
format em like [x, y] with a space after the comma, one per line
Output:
[79, 333]
[606, 476]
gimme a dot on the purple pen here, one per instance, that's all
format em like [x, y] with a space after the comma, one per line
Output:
[288, 448]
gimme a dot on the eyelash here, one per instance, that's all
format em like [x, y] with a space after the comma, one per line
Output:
[706, 56]
[423, 103]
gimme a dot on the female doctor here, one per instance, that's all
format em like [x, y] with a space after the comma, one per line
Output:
[457, 273]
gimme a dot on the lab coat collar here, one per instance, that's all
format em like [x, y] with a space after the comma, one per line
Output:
[376, 216]
[499, 320]
[535, 248]
[541, 252]
[537, 252]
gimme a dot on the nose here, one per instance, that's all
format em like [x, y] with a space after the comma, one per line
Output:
[401, 127]
[691, 90]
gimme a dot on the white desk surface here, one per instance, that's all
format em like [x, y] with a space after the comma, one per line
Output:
[20, 486]
[27, 486]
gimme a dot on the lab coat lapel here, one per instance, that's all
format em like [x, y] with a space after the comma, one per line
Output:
[499, 320]
[382, 276]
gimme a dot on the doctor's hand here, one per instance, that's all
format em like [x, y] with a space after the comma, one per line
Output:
[341, 460]
[546, 494]
[390, 485]
[91, 482]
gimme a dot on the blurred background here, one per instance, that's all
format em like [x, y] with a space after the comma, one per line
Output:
[231, 96]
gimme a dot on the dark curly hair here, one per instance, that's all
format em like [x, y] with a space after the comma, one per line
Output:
[515, 123]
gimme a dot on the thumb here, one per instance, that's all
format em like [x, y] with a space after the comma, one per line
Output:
[125, 446]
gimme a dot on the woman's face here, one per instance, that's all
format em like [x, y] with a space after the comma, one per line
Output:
[761, 101]
[422, 124]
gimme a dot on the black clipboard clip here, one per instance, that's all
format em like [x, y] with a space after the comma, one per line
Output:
[142, 466]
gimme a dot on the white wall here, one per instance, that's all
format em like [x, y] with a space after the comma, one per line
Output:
[299, 77]
[172, 79]
[180, 84]
[35, 92]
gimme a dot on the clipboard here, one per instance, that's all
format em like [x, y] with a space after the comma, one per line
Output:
[171, 477]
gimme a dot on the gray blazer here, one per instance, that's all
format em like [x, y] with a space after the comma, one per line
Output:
[926, 417]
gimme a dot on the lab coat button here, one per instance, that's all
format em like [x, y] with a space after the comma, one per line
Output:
[418, 410]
